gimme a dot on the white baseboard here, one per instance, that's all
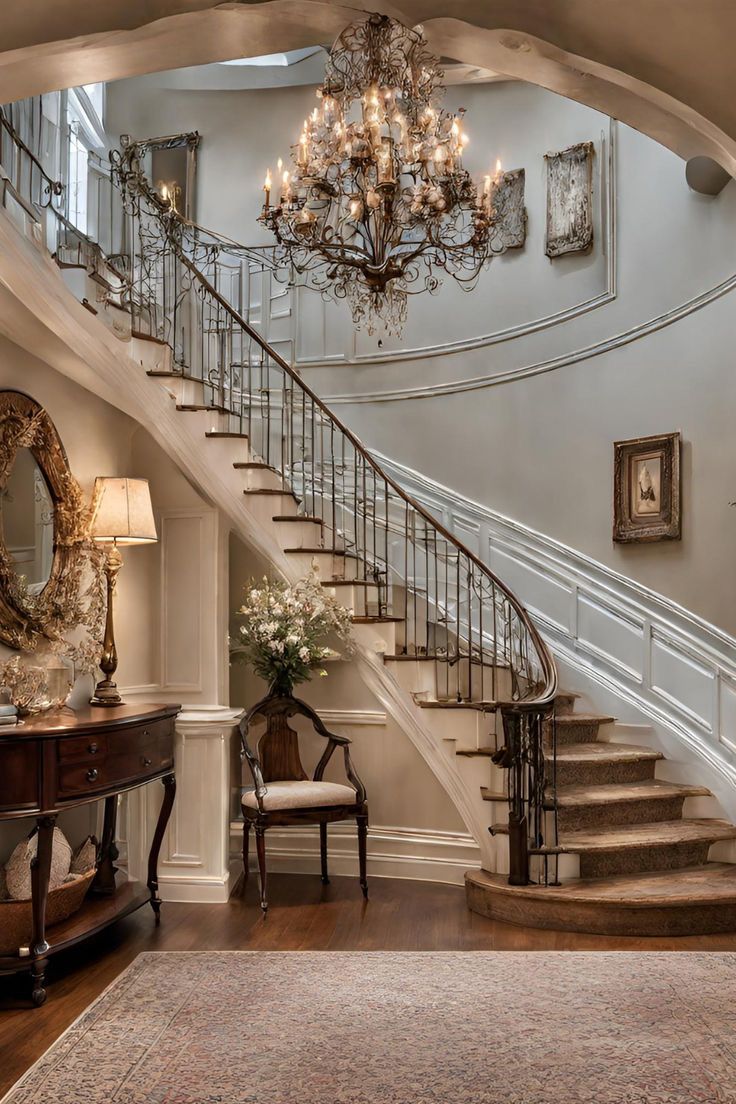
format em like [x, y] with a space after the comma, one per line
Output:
[414, 853]
[194, 890]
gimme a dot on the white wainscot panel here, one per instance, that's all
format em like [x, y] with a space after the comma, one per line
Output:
[727, 712]
[545, 595]
[681, 680]
[468, 533]
[611, 635]
[181, 554]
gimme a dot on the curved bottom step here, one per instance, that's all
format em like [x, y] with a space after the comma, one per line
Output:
[698, 900]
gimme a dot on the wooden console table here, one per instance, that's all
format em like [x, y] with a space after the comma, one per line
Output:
[67, 758]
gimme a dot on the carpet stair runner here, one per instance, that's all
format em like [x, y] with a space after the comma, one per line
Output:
[644, 866]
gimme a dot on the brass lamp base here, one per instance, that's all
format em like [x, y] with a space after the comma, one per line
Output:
[106, 691]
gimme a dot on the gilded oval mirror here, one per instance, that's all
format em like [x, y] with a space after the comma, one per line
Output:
[38, 511]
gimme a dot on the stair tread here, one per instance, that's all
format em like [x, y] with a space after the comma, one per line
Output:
[476, 751]
[432, 703]
[665, 832]
[688, 886]
[271, 491]
[217, 433]
[603, 752]
[367, 620]
[493, 795]
[350, 582]
[571, 796]
[297, 517]
[572, 719]
[332, 551]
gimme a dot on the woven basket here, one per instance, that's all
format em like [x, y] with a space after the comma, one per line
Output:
[16, 917]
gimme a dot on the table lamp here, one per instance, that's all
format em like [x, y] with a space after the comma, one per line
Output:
[121, 514]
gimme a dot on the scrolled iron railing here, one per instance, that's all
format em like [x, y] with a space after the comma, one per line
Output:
[451, 609]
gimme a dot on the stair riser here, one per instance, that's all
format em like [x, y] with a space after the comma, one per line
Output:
[263, 507]
[574, 733]
[570, 819]
[327, 565]
[598, 774]
[380, 637]
[608, 919]
[152, 356]
[362, 600]
[564, 704]
[301, 534]
[674, 856]
[259, 479]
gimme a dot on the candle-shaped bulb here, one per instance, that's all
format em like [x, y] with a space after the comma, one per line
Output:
[279, 165]
[499, 170]
[267, 187]
[464, 139]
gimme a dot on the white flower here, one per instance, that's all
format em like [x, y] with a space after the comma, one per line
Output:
[292, 638]
[304, 654]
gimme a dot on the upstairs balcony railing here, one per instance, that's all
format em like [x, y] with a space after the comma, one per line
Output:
[193, 289]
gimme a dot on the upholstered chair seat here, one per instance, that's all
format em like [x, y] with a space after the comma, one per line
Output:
[301, 795]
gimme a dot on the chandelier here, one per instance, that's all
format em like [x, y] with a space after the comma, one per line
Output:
[378, 199]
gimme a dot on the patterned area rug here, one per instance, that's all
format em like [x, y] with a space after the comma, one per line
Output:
[393, 1028]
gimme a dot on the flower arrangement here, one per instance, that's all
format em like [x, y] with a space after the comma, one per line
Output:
[284, 630]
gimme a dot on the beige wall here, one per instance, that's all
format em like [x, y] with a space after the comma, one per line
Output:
[100, 440]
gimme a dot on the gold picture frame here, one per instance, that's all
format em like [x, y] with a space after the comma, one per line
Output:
[646, 491]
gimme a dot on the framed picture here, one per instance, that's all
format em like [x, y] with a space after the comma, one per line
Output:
[509, 230]
[646, 491]
[569, 200]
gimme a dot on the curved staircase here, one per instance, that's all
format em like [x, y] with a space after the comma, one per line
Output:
[631, 860]
[575, 830]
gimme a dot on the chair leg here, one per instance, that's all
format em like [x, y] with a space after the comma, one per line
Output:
[323, 853]
[246, 846]
[261, 852]
[362, 852]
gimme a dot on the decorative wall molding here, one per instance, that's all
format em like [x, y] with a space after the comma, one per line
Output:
[608, 295]
[477, 383]
[654, 654]
[418, 854]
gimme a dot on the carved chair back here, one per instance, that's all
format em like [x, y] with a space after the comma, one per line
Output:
[278, 752]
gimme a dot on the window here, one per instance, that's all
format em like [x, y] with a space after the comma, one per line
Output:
[85, 138]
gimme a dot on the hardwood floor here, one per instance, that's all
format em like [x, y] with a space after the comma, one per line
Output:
[304, 915]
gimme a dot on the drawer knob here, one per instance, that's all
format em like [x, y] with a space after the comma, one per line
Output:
[92, 774]
[146, 732]
[93, 748]
[146, 761]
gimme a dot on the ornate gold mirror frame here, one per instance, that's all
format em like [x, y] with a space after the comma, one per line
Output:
[27, 619]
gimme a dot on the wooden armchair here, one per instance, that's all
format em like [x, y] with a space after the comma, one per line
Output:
[284, 795]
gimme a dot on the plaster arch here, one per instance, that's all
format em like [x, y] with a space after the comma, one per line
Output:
[670, 78]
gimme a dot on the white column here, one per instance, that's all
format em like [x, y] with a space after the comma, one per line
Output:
[194, 864]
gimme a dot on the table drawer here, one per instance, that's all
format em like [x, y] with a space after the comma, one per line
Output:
[129, 755]
[76, 748]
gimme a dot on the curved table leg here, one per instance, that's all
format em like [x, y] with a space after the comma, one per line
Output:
[40, 872]
[169, 783]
